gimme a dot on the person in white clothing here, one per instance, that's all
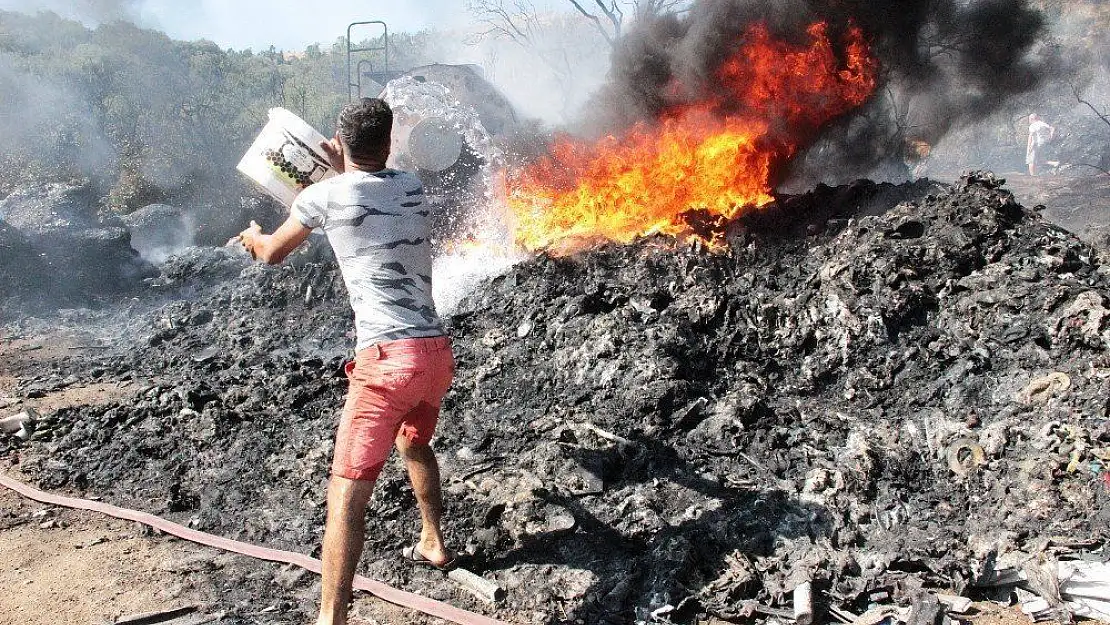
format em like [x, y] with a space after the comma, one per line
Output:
[1040, 133]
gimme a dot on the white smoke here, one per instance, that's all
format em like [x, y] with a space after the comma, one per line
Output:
[90, 12]
[42, 119]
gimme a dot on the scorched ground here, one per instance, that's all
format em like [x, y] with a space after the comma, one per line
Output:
[647, 428]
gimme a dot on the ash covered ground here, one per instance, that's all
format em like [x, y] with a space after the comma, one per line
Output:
[650, 429]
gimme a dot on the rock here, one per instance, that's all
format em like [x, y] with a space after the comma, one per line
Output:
[37, 210]
[23, 272]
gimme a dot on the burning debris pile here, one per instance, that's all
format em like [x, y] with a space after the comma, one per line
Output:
[712, 110]
[718, 152]
[881, 404]
[871, 388]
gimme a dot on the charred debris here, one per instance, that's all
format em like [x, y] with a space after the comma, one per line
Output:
[907, 391]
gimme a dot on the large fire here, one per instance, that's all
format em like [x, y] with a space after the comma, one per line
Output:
[718, 154]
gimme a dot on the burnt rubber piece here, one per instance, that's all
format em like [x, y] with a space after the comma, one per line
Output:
[382, 591]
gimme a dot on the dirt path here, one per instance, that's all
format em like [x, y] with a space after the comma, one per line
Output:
[68, 567]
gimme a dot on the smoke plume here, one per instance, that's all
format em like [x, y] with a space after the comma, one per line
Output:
[945, 63]
[42, 120]
[95, 11]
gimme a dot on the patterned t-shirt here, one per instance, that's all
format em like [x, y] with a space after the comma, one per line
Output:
[379, 225]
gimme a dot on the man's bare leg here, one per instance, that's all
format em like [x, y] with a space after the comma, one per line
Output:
[423, 468]
[343, 538]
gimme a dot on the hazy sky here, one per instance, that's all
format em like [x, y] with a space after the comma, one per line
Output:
[257, 24]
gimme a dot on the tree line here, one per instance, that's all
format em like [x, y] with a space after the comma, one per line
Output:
[150, 119]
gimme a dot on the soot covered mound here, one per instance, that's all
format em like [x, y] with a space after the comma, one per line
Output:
[55, 249]
[892, 401]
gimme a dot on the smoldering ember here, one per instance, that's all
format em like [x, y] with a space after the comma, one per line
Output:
[757, 337]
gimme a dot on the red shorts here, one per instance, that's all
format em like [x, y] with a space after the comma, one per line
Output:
[395, 390]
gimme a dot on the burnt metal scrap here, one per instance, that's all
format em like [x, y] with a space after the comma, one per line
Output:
[875, 405]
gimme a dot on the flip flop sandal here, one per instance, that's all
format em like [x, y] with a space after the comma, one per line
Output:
[413, 556]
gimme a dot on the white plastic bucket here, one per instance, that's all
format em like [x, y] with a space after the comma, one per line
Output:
[285, 158]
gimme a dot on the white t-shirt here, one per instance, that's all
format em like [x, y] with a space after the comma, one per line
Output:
[1041, 133]
[379, 226]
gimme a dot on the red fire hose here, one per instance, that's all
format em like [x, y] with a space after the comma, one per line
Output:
[378, 589]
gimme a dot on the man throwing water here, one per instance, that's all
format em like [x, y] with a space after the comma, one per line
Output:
[379, 226]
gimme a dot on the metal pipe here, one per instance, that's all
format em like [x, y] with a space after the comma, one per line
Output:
[481, 587]
[803, 603]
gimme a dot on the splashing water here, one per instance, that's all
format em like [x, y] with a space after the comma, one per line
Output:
[416, 100]
[482, 248]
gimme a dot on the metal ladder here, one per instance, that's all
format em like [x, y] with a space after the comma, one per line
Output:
[356, 72]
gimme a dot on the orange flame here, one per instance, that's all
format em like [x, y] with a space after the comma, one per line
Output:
[718, 154]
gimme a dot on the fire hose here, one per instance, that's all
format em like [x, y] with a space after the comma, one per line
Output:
[382, 591]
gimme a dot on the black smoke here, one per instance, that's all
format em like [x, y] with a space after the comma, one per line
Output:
[944, 63]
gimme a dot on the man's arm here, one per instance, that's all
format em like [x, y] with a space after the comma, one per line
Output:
[306, 214]
[273, 248]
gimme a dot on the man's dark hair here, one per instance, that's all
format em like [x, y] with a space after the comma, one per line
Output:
[365, 127]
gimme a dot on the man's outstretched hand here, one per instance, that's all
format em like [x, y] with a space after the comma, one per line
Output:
[249, 238]
[272, 248]
[333, 149]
